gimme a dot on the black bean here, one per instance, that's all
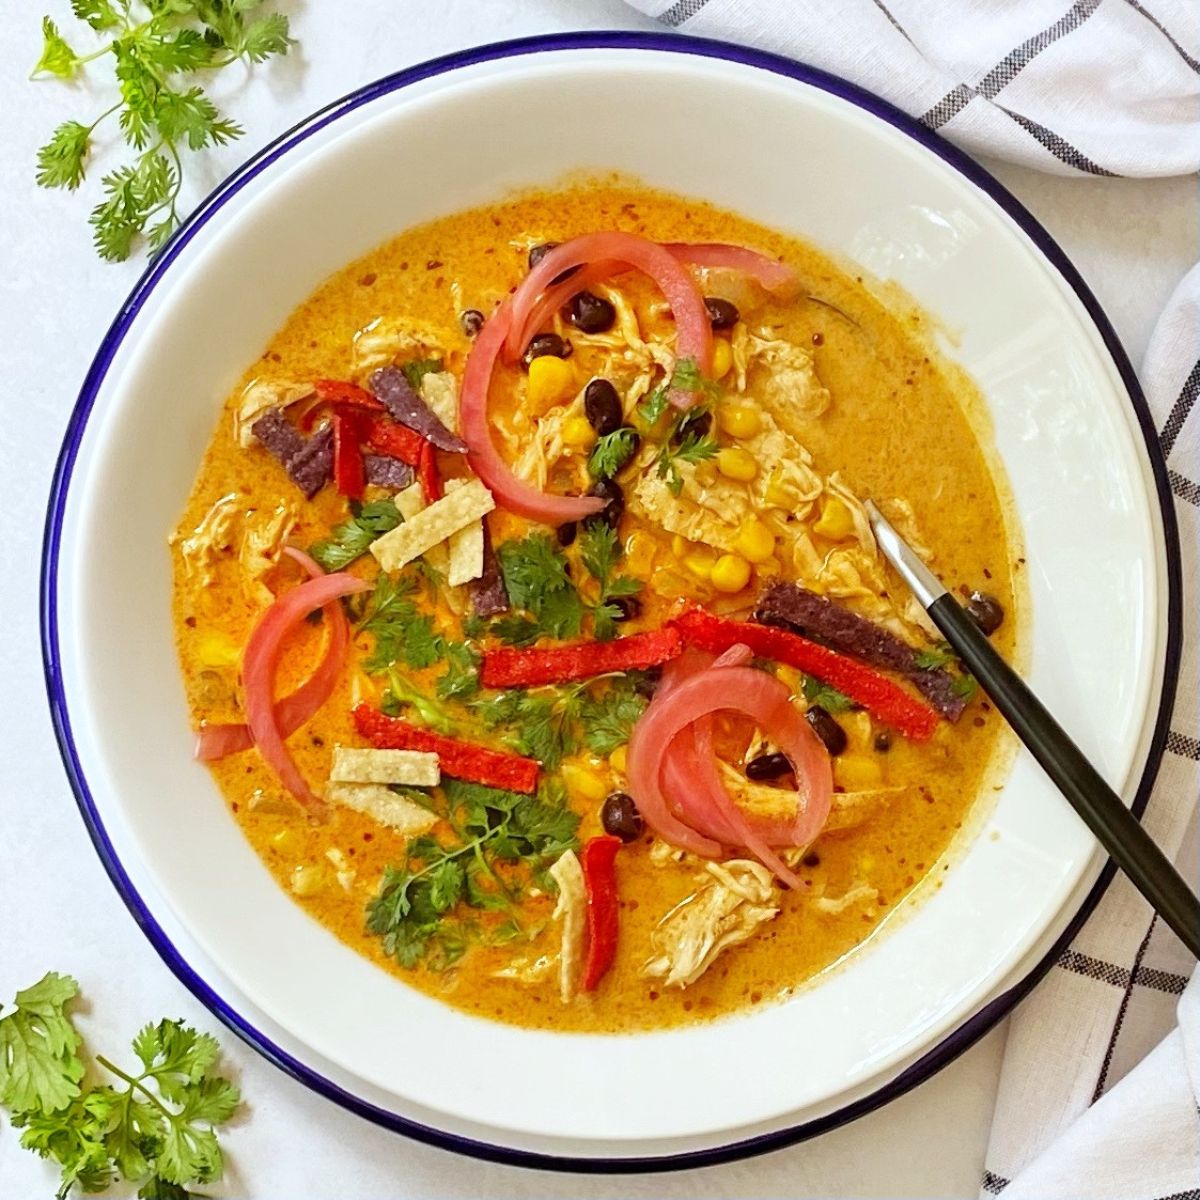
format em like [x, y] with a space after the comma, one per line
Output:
[538, 252]
[646, 682]
[566, 533]
[827, 729]
[602, 406]
[591, 313]
[883, 741]
[546, 343]
[628, 607]
[614, 508]
[986, 611]
[698, 425]
[768, 766]
[722, 313]
[620, 817]
[811, 859]
[471, 320]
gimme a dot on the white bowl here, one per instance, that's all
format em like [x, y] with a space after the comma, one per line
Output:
[790, 148]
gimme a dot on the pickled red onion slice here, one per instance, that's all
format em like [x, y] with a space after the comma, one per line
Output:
[780, 280]
[484, 459]
[259, 663]
[217, 741]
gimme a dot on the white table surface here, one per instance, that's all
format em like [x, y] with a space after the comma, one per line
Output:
[1133, 240]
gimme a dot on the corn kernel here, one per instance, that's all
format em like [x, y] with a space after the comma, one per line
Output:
[286, 841]
[641, 548]
[217, 650]
[308, 880]
[619, 759]
[735, 463]
[679, 546]
[778, 493]
[755, 542]
[577, 431]
[739, 420]
[731, 573]
[550, 380]
[836, 521]
[857, 773]
[583, 781]
[700, 562]
[722, 358]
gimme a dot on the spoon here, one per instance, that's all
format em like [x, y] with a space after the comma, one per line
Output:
[1115, 827]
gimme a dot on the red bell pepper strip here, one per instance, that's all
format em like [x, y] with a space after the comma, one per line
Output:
[428, 473]
[386, 436]
[348, 472]
[511, 666]
[338, 391]
[460, 760]
[598, 860]
[875, 692]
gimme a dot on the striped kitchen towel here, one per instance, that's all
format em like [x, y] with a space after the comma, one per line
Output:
[1106, 87]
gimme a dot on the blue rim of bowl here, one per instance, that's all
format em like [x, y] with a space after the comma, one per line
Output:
[955, 1043]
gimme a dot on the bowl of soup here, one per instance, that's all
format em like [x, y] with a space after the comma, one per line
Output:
[467, 639]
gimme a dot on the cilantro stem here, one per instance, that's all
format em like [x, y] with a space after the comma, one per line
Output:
[137, 1084]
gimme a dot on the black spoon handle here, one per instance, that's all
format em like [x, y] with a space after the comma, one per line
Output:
[1116, 828]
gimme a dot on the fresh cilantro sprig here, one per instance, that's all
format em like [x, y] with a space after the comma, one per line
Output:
[537, 580]
[935, 657]
[612, 452]
[686, 377]
[158, 47]
[685, 445]
[607, 719]
[155, 1128]
[351, 538]
[600, 551]
[402, 632]
[412, 911]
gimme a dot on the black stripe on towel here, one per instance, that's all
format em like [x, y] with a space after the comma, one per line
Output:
[680, 11]
[994, 1184]
[1012, 64]
[1194, 1194]
[1160, 981]
[1184, 746]
[949, 106]
[1185, 489]
[1106, 1065]
[1057, 145]
[1187, 58]
[1180, 410]
[1117, 976]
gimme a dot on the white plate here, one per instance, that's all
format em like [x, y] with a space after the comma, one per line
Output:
[799, 152]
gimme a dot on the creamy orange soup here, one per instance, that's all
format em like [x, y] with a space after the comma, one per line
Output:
[866, 409]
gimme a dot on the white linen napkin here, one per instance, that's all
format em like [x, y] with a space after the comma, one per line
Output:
[1106, 87]
[1099, 1093]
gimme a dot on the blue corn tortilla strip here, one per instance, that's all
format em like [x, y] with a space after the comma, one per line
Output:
[307, 461]
[386, 472]
[404, 404]
[488, 596]
[796, 608]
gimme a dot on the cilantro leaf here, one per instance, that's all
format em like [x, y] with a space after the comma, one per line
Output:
[608, 719]
[351, 539]
[612, 452]
[693, 447]
[462, 671]
[540, 723]
[416, 370]
[687, 378]
[60, 161]
[651, 409]
[536, 579]
[402, 633]
[401, 693]
[829, 698]
[57, 57]
[965, 686]
[599, 551]
[934, 657]
[40, 1069]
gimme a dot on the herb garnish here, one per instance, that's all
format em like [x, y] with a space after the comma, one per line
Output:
[153, 1129]
[402, 632]
[412, 912]
[612, 451]
[934, 657]
[537, 580]
[351, 539]
[416, 370]
[829, 698]
[153, 44]
[686, 443]
[686, 377]
[600, 551]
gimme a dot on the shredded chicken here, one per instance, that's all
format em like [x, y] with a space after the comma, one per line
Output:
[261, 395]
[263, 537]
[383, 341]
[212, 537]
[861, 893]
[901, 514]
[545, 447]
[571, 909]
[834, 486]
[736, 899]
[790, 390]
